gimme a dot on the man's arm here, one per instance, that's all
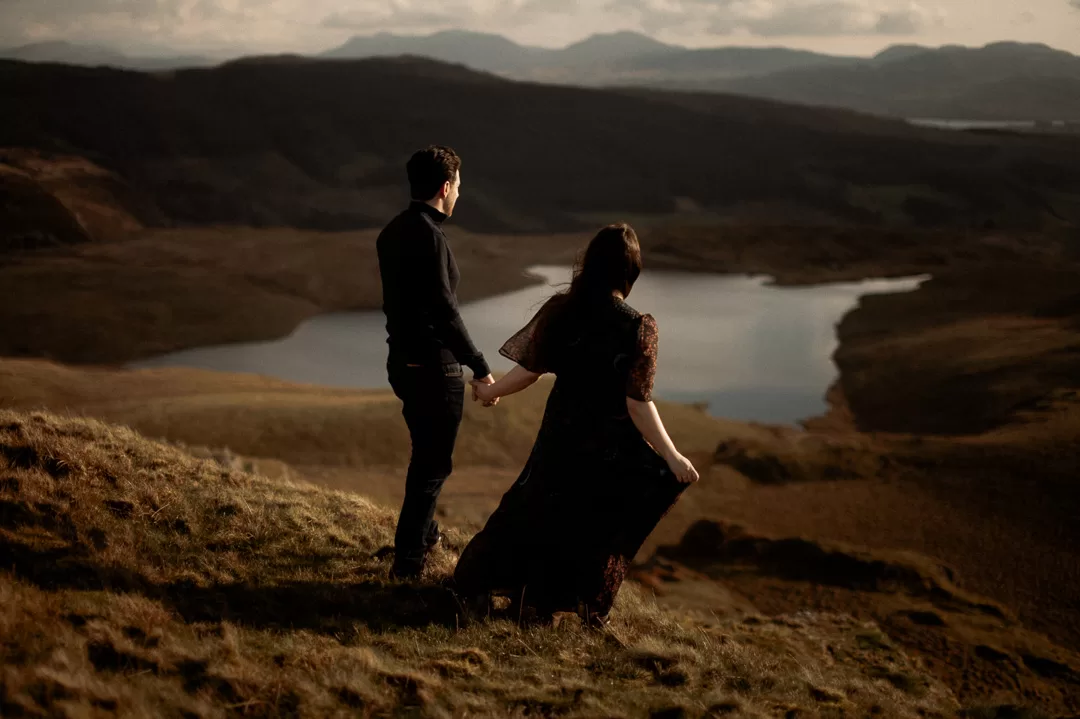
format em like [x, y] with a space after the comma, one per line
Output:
[443, 308]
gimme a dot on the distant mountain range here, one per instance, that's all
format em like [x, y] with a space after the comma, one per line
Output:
[1002, 81]
[95, 55]
[622, 58]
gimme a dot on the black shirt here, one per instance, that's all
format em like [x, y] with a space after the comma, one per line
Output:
[419, 281]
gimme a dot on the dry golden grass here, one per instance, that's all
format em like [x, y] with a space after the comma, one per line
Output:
[353, 440]
[966, 354]
[974, 645]
[923, 495]
[142, 581]
[88, 196]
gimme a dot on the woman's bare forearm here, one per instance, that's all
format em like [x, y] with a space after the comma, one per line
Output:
[647, 419]
[514, 381]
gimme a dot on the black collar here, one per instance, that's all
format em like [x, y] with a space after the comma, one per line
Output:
[428, 210]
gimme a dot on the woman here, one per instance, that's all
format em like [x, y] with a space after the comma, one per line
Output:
[603, 470]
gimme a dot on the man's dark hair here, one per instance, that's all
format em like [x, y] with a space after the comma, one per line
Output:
[429, 168]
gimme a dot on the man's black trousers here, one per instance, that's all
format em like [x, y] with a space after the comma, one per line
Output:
[433, 397]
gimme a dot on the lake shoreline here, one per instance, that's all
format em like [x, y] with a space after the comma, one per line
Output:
[213, 286]
[749, 349]
[209, 286]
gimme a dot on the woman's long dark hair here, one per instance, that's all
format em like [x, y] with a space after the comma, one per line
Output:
[611, 263]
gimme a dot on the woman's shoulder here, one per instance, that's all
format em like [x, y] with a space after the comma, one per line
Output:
[626, 310]
[639, 328]
[638, 318]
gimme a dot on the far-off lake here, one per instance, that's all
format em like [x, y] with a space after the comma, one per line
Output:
[750, 350]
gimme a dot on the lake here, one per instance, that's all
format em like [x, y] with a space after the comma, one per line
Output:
[1014, 125]
[749, 350]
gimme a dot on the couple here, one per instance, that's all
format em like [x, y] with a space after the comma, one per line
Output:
[603, 471]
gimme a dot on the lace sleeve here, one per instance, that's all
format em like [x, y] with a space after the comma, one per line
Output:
[639, 384]
[524, 348]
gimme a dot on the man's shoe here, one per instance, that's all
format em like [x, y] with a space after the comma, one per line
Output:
[406, 573]
[435, 537]
[408, 565]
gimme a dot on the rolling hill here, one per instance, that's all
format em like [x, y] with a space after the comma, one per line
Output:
[606, 47]
[619, 58]
[320, 145]
[141, 581]
[479, 51]
[1003, 81]
[720, 63]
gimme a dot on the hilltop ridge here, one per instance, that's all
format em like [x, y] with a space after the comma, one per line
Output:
[320, 145]
[138, 579]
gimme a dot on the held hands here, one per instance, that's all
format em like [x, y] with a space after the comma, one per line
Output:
[682, 468]
[481, 391]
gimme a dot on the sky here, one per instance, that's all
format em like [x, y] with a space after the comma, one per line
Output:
[855, 27]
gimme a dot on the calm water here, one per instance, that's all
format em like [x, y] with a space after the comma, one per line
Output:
[749, 350]
[1016, 125]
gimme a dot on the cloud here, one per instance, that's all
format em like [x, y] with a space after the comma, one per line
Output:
[435, 14]
[899, 23]
[1025, 18]
[400, 15]
[137, 13]
[127, 22]
[265, 24]
[780, 18]
[554, 7]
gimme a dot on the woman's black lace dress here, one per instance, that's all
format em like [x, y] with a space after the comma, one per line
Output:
[593, 488]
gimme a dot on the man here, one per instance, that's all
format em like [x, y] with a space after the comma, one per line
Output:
[428, 344]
